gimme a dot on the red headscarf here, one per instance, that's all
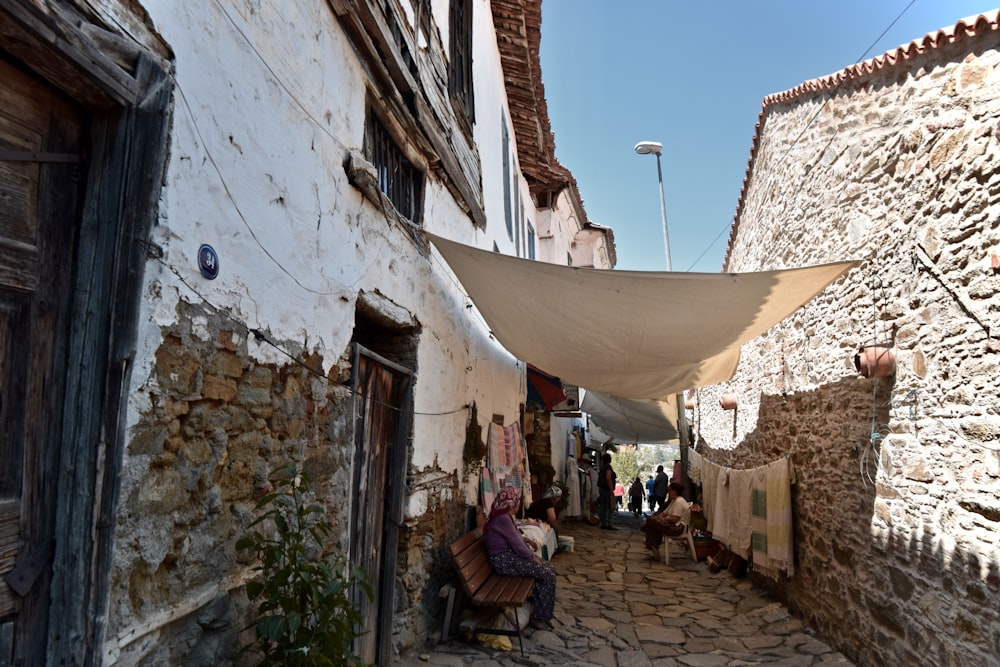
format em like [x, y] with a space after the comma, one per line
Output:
[504, 502]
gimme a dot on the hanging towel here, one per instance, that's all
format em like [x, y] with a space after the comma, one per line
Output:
[695, 463]
[709, 483]
[780, 547]
[495, 451]
[758, 519]
[740, 528]
[573, 484]
[723, 508]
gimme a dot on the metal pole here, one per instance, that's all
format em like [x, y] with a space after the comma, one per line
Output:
[679, 398]
[663, 212]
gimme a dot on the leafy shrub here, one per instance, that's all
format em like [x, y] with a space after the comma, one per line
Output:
[305, 615]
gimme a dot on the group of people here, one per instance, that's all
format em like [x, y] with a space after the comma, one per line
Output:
[511, 555]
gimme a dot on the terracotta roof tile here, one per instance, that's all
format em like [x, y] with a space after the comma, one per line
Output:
[968, 27]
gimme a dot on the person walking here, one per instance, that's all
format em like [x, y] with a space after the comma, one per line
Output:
[649, 494]
[636, 495]
[619, 496]
[606, 480]
[660, 487]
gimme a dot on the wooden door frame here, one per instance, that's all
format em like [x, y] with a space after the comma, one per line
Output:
[128, 109]
[396, 483]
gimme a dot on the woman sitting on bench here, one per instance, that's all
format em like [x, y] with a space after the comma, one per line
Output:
[511, 557]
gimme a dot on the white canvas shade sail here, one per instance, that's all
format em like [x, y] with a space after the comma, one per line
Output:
[631, 420]
[634, 334]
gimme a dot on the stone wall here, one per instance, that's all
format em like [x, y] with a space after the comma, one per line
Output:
[896, 507]
[217, 425]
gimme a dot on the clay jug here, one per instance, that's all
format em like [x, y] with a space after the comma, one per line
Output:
[876, 361]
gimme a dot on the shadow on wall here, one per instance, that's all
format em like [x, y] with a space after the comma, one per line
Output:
[886, 570]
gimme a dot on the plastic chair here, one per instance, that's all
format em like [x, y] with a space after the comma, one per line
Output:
[686, 536]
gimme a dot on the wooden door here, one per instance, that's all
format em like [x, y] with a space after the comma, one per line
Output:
[381, 390]
[40, 193]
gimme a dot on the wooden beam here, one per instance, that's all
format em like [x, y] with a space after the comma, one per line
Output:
[55, 48]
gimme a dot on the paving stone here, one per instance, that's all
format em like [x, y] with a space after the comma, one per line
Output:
[631, 612]
[651, 619]
[729, 644]
[813, 647]
[703, 660]
[596, 623]
[660, 634]
[786, 627]
[632, 659]
[697, 645]
[761, 641]
[698, 630]
[641, 608]
[656, 651]
[602, 656]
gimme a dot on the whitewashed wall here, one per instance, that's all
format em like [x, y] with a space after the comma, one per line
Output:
[270, 99]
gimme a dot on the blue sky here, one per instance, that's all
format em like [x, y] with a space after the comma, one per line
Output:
[692, 75]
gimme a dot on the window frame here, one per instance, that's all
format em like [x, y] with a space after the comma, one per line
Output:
[397, 177]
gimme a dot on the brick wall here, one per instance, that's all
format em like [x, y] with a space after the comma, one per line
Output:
[898, 497]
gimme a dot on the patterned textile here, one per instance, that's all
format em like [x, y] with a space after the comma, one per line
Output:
[487, 490]
[740, 528]
[504, 502]
[507, 458]
[695, 462]
[780, 551]
[758, 516]
[510, 564]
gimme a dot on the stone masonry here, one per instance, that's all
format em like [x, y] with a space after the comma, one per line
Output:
[217, 426]
[896, 504]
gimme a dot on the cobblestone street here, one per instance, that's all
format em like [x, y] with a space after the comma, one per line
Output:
[615, 607]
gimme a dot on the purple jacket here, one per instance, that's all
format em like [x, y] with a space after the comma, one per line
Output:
[501, 534]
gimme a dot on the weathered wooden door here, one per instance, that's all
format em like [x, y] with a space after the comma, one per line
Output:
[381, 390]
[40, 193]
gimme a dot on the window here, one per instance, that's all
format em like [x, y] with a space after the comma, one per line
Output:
[530, 241]
[401, 182]
[460, 67]
[518, 222]
[507, 212]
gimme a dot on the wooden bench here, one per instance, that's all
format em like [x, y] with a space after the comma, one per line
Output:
[485, 588]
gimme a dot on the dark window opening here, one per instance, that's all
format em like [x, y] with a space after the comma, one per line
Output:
[401, 182]
[460, 70]
[507, 212]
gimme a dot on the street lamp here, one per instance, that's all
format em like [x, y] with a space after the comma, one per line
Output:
[655, 147]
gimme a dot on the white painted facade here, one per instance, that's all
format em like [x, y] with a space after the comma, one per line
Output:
[269, 104]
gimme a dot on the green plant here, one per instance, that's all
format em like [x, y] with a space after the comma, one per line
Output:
[306, 615]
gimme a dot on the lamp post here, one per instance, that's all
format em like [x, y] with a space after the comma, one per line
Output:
[656, 148]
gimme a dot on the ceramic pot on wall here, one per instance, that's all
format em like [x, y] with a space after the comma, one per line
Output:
[876, 361]
[728, 401]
